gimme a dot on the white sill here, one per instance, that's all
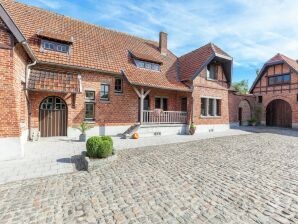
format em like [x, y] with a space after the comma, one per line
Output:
[209, 79]
[89, 121]
[206, 117]
[105, 101]
[119, 93]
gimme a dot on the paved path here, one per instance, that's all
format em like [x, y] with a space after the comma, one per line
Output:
[237, 179]
[47, 157]
[62, 155]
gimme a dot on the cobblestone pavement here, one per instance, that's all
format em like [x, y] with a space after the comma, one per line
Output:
[236, 179]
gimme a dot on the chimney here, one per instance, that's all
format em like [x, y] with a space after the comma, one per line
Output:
[163, 42]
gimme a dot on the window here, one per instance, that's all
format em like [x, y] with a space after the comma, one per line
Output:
[118, 85]
[297, 97]
[90, 96]
[260, 99]
[279, 79]
[55, 46]
[211, 72]
[210, 107]
[161, 103]
[89, 105]
[147, 65]
[104, 92]
[184, 104]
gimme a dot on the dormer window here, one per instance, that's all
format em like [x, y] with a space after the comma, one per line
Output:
[211, 72]
[147, 65]
[55, 46]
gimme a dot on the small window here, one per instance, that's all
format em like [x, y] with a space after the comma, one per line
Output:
[147, 65]
[55, 46]
[89, 105]
[260, 99]
[211, 72]
[118, 85]
[89, 95]
[297, 97]
[279, 79]
[161, 103]
[89, 111]
[105, 92]
[204, 106]
[184, 104]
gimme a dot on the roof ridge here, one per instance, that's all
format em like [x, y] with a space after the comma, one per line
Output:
[213, 48]
[81, 21]
[194, 50]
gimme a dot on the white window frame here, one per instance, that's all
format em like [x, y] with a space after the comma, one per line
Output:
[147, 65]
[208, 72]
[55, 46]
[214, 108]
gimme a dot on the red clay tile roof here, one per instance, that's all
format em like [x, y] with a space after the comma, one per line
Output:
[191, 62]
[278, 58]
[145, 57]
[94, 47]
[41, 80]
[54, 36]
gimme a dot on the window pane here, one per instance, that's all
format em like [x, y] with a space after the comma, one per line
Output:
[287, 78]
[89, 110]
[165, 104]
[203, 106]
[218, 107]
[147, 65]
[104, 91]
[183, 104]
[157, 103]
[211, 107]
[118, 85]
[54, 46]
[90, 95]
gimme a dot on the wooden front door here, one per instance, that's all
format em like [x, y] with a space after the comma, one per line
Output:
[53, 117]
[279, 114]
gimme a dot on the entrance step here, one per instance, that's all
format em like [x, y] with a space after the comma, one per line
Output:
[162, 130]
[130, 131]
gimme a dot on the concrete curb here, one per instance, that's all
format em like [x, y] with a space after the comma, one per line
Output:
[92, 164]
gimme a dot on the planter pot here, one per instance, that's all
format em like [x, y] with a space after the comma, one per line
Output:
[192, 131]
[82, 137]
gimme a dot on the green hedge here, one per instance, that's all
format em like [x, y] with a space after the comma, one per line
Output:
[99, 147]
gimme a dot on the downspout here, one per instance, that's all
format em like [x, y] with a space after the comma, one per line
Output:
[27, 74]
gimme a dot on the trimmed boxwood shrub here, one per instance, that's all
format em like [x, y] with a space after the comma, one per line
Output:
[99, 147]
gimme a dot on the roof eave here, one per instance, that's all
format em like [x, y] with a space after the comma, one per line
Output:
[11, 25]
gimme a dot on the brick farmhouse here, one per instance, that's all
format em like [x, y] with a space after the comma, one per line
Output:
[57, 72]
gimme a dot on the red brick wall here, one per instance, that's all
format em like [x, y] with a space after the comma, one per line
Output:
[287, 92]
[12, 71]
[122, 109]
[211, 88]
[236, 101]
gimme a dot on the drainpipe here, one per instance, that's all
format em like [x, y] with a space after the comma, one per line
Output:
[27, 74]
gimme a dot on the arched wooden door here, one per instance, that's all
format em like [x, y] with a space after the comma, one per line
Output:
[53, 117]
[279, 114]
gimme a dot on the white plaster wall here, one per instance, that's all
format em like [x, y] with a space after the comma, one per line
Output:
[212, 128]
[150, 130]
[98, 131]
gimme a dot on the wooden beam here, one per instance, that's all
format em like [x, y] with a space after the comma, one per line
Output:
[137, 91]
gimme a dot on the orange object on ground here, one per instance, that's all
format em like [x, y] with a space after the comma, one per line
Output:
[135, 136]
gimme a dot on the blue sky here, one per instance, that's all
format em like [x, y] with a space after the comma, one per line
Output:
[251, 31]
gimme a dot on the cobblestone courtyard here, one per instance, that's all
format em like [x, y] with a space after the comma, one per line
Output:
[237, 179]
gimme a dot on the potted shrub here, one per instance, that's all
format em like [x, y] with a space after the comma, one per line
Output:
[253, 121]
[192, 129]
[83, 128]
[99, 147]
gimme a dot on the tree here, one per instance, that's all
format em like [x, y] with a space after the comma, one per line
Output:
[241, 87]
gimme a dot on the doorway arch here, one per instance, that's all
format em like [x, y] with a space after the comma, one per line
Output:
[279, 114]
[53, 117]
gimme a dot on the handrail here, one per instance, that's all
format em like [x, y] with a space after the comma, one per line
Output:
[164, 117]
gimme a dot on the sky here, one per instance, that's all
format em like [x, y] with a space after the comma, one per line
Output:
[251, 31]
